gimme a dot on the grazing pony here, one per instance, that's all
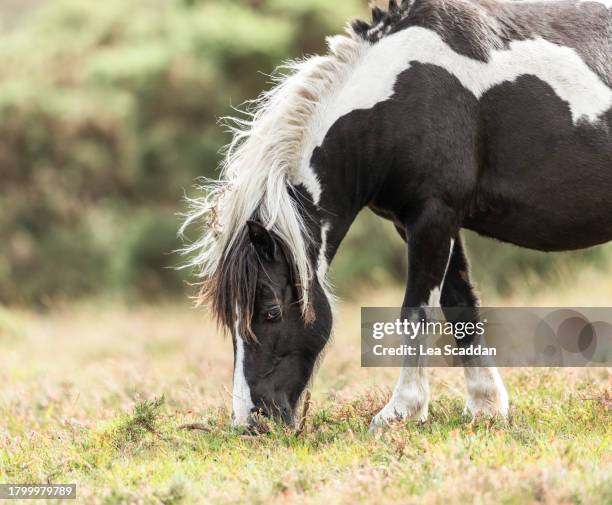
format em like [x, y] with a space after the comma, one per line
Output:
[438, 115]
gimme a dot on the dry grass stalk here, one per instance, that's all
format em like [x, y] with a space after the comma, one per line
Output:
[302, 424]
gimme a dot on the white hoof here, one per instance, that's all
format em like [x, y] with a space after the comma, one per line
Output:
[401, 407]
[487, 396]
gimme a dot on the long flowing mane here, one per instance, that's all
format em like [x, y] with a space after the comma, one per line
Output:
[262, 164]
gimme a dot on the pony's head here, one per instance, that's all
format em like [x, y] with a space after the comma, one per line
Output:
[265, 285]
[276, 344]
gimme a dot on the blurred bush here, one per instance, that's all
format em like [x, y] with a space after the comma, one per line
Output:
[108, 114]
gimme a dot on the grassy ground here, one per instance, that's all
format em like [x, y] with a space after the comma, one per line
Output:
[97, 395]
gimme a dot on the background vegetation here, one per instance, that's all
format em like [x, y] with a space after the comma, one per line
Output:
[107, 115]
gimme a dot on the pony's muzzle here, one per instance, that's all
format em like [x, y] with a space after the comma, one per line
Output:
[277, 411]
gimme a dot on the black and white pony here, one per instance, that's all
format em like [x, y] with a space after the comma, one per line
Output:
[438, 115]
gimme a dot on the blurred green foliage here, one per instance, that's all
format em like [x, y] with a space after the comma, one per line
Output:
[108, 114]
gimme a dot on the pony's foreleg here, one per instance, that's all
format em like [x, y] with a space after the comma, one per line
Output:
[430, 242]
[486, 394]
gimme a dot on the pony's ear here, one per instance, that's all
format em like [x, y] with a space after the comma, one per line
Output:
[262, 241]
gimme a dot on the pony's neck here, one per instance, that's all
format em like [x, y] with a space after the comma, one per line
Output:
[348, 183]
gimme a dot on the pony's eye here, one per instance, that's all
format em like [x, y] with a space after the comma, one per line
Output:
[272, 314]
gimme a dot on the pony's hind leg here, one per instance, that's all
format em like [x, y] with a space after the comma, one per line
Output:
[486, 394]
[430, 244]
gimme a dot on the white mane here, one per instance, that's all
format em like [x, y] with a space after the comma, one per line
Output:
[264, 159]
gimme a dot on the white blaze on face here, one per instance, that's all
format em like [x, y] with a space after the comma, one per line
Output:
[241, 394]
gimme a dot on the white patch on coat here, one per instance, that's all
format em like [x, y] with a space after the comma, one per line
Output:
[436, 293]
[242, 402]
[373, 78]
[434, 297]
[323, 265]
[486, 393]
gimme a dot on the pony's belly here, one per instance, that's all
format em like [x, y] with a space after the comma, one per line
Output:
[558, 228]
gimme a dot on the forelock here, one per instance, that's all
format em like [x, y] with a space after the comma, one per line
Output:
[232, 291]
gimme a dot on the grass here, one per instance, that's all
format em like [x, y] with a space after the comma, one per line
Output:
[108, 397]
